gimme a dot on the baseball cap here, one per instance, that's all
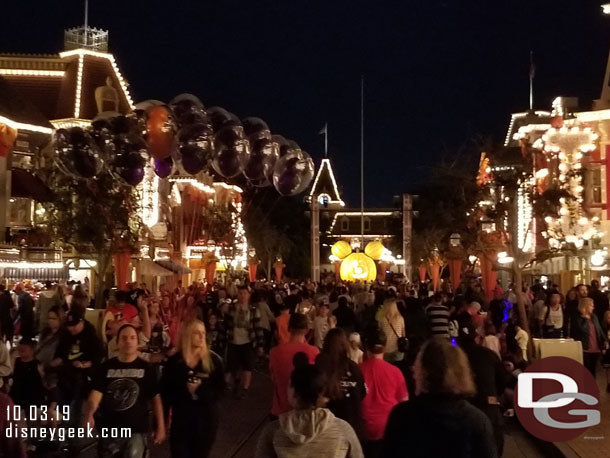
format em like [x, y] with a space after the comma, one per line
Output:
[74, 317]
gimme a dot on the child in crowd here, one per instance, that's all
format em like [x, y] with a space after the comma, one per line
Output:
[27, 389]
[355, 353]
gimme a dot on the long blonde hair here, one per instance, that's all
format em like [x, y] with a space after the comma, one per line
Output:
[390, 309]
[186, 347]
[583, 303]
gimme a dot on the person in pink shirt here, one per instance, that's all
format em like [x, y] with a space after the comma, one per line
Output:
[386, 387]
[281, 365]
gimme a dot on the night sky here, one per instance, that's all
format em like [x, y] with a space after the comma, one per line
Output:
[438, 73]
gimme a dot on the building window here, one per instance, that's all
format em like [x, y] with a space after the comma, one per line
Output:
[367, 224]
[344, 224]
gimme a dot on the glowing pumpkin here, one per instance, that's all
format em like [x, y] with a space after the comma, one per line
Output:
[374, 250]
[341, 249]
[358, 267]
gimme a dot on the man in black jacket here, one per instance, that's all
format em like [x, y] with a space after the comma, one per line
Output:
[7, 308]
[600, 300]
[489, 377]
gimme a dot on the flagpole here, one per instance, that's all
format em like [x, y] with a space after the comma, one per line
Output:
[362, 161]
[326, 140]
[531, 80]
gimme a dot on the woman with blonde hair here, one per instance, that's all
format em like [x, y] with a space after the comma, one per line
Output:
[192, 383]
[392, 324]
[443, 381]
[586, 328]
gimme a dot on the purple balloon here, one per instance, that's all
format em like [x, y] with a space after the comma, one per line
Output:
[132, 176]
[292, 173]
[196, 144]
[163, 167]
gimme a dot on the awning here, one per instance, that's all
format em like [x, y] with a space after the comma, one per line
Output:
[149, 268]
[26, 184]
[174, 266]
[41, 274]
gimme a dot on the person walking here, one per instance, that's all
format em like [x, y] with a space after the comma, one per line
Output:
[307, 429]
[191, 385]
[47, 299]
[393, 325]
[25, 319]
[438, 317]
[7, 309]
[587, 329]
[439, 421]
[281, 362]
[490, 377]
[345, 387]
[78, 352]
[122, 390]
[386, 388]
[244, 334]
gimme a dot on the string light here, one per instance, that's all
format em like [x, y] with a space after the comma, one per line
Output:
[21, 72]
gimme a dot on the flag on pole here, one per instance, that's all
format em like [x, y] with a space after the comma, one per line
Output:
[324, 129]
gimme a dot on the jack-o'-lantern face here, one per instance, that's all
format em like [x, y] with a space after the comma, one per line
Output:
[358, 267]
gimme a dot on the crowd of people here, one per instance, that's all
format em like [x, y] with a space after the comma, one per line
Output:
[357, 369]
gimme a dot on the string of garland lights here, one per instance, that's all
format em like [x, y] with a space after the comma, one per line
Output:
[566, 147]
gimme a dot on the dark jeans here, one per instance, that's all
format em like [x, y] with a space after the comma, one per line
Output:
[494, 414]
[590, 360]
[372, 449]
[194, 437]
[131, 447]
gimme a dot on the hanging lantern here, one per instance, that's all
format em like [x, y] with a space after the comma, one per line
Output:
[121, 269]
[374, 250]
[341, 249]
[422, 272]
[279, 268]
[358, 267]
[8, 135]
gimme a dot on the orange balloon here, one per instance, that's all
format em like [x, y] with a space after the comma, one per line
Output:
[161, 132]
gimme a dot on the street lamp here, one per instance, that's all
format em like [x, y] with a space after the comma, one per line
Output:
[455, 240]
[606, 8]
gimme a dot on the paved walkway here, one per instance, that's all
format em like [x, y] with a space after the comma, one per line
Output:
[595, 443]
[242, 422]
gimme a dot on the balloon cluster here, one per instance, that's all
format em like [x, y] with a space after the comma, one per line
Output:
[183, 137]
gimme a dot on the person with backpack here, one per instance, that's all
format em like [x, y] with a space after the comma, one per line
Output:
[551, 317]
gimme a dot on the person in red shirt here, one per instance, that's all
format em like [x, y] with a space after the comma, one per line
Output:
[119, 313]
[386, 388]
[281, 365]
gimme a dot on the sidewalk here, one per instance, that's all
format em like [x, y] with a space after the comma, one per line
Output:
[595, 443]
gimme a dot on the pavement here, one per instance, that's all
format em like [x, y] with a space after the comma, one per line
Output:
[595, 443]
[243, 420]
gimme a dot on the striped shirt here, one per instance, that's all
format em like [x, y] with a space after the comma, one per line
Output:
[438, 317]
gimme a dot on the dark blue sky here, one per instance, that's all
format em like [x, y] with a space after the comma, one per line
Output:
[437, 72]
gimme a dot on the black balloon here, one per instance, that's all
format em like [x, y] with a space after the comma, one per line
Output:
[292, 173]
[77, 154]
[218, 117]
[163, 167]
[259, 168]
[256, 128]
[231, 152]
[128, 153]
[188, 109]
[196, 145]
